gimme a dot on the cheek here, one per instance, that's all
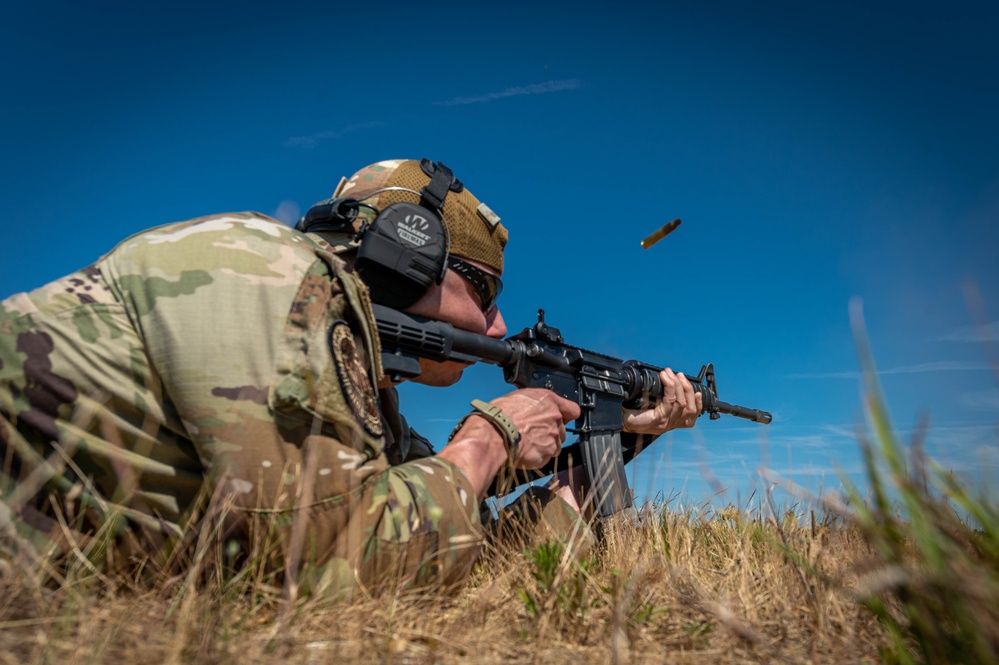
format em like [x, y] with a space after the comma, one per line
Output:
[451, 302]
[429, 305]
[471, 320]
[439, 374]
[462, 311]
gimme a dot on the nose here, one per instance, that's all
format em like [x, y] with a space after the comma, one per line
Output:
[495, 325]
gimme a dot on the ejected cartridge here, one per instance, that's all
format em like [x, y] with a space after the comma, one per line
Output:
[658, 235]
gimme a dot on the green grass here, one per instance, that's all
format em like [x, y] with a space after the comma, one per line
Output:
[934, 579]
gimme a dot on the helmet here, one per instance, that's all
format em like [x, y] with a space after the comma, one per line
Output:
[473, 229]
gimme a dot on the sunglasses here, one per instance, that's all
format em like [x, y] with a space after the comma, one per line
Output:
[487, 286]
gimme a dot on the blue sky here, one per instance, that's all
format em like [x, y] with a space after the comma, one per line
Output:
[816, 152]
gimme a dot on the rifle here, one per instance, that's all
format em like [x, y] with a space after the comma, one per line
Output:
[538, 357]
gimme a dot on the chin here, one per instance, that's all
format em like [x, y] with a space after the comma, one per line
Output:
[440, 375]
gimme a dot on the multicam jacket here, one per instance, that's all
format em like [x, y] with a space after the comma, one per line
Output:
[232, 358]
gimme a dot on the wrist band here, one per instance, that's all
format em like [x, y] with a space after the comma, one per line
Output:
[498, 419]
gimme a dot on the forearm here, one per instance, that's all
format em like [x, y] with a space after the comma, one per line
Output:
[417, 523]
[412, 525]
[479, 451]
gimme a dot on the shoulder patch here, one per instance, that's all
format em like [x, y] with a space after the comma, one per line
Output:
[350, 368]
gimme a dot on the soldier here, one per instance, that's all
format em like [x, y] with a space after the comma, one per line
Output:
[235, 359]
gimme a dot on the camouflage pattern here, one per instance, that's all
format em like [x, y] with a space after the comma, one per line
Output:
[229, 357]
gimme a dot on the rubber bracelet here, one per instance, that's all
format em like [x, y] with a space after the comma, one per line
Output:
[498, 419]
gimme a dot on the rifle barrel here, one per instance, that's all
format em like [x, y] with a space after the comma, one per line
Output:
[755, 415]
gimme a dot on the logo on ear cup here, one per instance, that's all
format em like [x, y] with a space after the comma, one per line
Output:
[412, 229]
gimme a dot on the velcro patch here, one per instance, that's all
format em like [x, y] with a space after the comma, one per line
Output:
[353, 376]
[486, 213]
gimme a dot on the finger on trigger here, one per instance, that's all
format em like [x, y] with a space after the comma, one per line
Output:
[569, 409]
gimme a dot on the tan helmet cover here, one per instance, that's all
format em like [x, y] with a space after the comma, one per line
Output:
[474, 230]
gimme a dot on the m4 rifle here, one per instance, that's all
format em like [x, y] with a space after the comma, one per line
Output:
[538, 357]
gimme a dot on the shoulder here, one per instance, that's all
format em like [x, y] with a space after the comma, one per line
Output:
[232, 248]
[225, 237]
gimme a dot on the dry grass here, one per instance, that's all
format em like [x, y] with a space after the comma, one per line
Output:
[662, 586]
[908, 575]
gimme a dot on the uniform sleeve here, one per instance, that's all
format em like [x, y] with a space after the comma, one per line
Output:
[267, 350]
[415, 523]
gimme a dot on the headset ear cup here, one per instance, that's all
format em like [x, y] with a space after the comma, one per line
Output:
[402, 254]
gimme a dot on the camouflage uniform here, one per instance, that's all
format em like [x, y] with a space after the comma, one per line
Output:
[227, 355]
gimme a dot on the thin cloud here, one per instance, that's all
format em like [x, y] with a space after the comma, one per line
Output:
[961, 446]
[839, 430]
[921, 368]
[825, 375]
[312, 140]
[806, 469]
[534, 89]
[986, 399]
[809, 441]
[988, 332]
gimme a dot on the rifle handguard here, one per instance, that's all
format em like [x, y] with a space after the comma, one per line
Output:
[498, 419]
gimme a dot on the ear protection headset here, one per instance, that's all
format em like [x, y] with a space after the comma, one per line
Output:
[404, 250]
